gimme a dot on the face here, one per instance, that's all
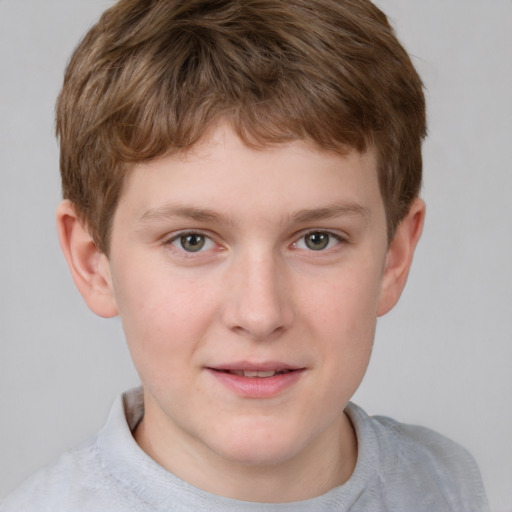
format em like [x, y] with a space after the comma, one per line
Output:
[248, 283]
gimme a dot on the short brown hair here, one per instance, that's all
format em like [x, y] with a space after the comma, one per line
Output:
[152, 76]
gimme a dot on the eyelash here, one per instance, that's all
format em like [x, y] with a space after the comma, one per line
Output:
[331, 237]
[208, 241]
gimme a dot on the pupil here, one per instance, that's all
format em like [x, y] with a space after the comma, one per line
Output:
[192, 243]
[317, 241]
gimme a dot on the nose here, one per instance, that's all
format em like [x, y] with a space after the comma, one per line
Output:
[259, 304]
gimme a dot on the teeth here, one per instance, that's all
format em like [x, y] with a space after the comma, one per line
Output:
[270, 373]
[254, 374]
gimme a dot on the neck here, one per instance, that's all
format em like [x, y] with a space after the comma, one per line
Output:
[326, 463]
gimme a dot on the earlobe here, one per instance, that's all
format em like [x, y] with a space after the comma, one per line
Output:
[89, 267]
[399, 257]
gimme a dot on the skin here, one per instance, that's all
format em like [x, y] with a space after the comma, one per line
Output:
[293, 268]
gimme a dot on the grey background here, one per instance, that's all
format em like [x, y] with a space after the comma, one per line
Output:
[443, 358]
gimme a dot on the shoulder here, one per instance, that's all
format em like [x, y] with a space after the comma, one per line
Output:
[420, 443]
[416, 463]
[87, 477]
[55, 486]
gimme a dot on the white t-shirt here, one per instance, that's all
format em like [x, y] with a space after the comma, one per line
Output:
[400, 468]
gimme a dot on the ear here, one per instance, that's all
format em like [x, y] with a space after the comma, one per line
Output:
[89, 267]
[399, 257]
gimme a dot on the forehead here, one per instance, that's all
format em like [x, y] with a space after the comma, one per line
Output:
[224, 175]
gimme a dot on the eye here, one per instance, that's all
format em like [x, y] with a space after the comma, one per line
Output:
[192, 242]
[317, 241]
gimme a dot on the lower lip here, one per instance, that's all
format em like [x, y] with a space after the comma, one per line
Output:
[257, 387]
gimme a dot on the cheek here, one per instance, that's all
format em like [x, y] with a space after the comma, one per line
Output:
[345, 302]
[344, 317]
[163, 317]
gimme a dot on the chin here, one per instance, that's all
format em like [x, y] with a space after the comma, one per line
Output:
[261, 445]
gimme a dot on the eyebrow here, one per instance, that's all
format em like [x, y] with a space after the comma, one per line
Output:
[172, 211]
[333, 211]
[178, 211]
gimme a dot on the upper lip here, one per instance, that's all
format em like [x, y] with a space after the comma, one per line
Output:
[251, 366]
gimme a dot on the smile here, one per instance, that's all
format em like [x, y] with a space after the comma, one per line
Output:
[253, 374]
[256, 381]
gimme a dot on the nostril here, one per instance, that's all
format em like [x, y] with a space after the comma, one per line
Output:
[259, 333]
[258, 306]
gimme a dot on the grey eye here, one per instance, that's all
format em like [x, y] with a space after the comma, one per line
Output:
[317, 241]
[192, 242]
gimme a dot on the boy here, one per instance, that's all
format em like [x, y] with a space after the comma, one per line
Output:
[241, 186]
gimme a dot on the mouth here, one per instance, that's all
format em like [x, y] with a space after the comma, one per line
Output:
[256, 370]
[251, 380]
[255, 374]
